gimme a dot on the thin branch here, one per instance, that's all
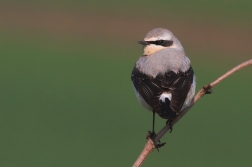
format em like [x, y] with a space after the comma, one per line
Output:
[149, 146]
[205, 90]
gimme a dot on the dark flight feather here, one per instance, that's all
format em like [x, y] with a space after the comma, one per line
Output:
[151, 89]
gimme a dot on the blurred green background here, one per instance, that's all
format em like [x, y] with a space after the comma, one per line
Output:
[66, 94]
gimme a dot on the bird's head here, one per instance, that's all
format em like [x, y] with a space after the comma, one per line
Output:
[158, 39]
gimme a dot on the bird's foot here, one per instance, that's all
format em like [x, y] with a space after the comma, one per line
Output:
[152, 135]
[159, 145]
[208, 89]
[169, 122]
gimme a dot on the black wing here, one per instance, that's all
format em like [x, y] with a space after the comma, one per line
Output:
[151, 88]
[179, 84]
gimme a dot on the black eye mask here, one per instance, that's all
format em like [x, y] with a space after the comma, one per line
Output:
[161, 42]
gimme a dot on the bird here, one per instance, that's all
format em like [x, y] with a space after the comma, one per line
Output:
[163, 78]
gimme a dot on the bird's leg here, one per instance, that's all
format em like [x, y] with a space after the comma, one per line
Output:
[153, 122]
[152, 134]
[169, 122]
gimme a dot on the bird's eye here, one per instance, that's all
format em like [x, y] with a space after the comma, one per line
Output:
[160, 42]
[165, 43]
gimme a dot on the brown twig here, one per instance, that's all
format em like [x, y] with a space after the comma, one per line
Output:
[150, 145]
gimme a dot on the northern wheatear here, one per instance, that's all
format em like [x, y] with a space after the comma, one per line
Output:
[163, 79]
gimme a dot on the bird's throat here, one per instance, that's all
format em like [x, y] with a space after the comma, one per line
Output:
[151, 49]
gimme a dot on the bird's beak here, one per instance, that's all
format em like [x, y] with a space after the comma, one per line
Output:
[143, 43]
